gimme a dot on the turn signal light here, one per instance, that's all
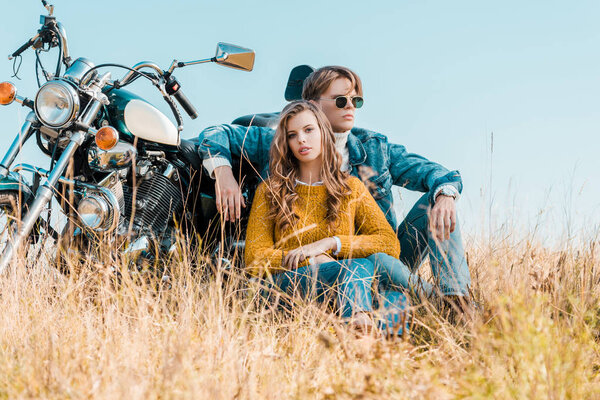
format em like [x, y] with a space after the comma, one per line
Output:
[107, 137]
[8, 92]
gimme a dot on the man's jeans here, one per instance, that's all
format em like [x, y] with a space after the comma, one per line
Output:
[448, 262]
[351, 281]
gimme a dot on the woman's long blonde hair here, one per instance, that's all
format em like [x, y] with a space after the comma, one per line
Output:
[284, 169]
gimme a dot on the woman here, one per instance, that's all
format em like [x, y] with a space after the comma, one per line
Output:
[312, 226]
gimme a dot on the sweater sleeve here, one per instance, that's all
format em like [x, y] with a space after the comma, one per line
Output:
[373, 234]
[261, 255]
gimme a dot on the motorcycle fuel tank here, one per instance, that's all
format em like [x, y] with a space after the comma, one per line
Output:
[133, 116]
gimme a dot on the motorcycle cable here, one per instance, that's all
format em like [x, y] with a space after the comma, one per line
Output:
[116, 84]
[37, 74]
[53, 156]
[16, 67]
[135, 78]
[60, 45]
[175, 110]
[58, 63]
[38, 138]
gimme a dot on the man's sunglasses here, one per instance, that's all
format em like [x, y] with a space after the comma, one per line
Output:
[341, 101]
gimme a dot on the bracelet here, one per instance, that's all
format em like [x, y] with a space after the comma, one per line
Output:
[338, 246]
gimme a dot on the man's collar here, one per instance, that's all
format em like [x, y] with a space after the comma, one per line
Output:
[341, 136]
[356, 152]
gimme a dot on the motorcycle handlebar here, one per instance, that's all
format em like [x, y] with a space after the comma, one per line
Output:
[174, 89]
[186, 104]
[23, 48]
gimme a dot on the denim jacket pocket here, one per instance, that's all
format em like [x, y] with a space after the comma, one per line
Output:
[380, 186]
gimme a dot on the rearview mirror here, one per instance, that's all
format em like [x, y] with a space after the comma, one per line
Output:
[232, 56]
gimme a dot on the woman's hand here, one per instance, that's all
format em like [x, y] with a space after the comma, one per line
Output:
[294, 257]
[323, 258]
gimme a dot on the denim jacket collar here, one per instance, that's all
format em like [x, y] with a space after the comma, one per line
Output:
[356, 152]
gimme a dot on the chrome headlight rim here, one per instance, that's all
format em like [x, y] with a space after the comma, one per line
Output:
[72, 96]
[97, 208]
[108, 211]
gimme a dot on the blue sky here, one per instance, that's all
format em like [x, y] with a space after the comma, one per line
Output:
[439, 77]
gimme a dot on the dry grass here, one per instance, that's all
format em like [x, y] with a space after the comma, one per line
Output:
[535, 336]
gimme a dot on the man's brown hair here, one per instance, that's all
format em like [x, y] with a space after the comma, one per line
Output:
[318, 82]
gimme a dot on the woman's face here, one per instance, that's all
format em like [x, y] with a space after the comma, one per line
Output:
[304, 136]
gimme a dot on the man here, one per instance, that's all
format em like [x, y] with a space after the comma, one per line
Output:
[429, 228]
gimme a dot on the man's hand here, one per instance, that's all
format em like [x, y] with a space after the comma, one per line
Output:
[294, 257]
[442, 217]
[228, 193]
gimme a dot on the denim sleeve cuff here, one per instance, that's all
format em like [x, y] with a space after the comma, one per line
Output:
[210, 164]
[338, 246]
[449, 188]
[452, 178]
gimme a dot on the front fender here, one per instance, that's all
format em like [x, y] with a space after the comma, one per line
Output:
[15, 183]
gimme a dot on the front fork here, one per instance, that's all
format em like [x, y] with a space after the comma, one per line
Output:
[42, 197]
[17, 144]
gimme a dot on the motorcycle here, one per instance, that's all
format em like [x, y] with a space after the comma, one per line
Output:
[119, 169]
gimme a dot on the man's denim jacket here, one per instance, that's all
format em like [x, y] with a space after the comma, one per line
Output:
[378, 163]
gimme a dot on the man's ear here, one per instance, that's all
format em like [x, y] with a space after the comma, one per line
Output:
[315, 102]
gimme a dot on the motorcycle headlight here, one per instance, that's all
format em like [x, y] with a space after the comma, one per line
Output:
[56, 104]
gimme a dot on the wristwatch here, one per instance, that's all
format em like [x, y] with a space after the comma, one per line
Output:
[447, 190]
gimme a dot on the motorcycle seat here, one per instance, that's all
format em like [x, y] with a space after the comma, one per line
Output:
[188, 150]
[268, 120]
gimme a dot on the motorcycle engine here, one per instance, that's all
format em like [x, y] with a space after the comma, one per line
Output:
[156, 199]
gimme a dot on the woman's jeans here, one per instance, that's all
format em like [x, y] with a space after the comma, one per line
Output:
[350, 280]
[448, 262]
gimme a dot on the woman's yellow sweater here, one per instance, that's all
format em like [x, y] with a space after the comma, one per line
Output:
[362, 228]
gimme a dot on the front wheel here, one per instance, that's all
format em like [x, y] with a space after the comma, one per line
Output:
[12, 209]
[10, 216]
[10, 206]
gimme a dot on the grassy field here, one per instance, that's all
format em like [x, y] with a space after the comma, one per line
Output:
[535, 336]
